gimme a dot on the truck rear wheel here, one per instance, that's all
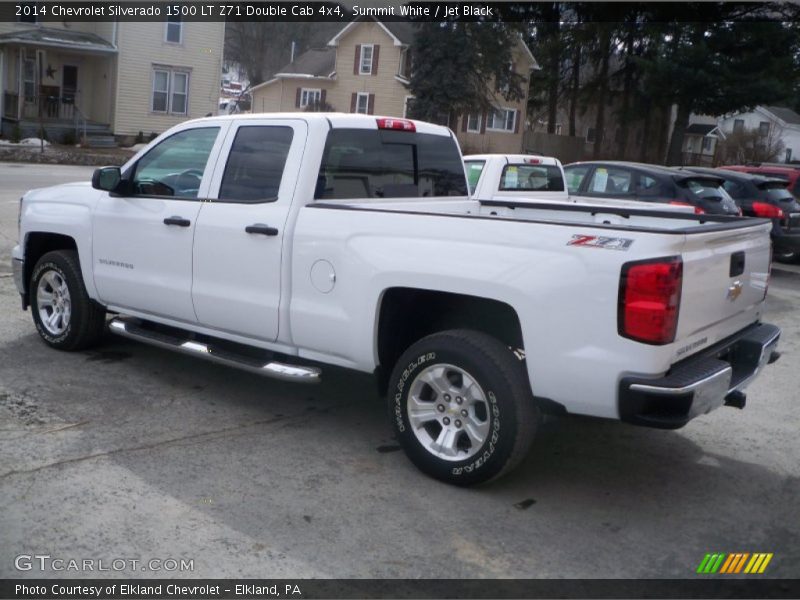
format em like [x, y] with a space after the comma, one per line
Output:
[461, 407]
[64, 314]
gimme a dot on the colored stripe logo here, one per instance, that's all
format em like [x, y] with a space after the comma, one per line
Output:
[737, 562]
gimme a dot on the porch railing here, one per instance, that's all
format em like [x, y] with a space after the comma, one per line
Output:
[46, 106]
[10, 104]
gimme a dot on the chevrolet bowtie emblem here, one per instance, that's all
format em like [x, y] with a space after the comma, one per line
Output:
[735, 290]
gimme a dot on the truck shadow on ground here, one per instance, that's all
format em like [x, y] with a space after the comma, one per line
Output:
[313, 469]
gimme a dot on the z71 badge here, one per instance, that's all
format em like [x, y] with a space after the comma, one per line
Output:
[599, 241]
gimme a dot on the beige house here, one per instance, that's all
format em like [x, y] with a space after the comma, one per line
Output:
[366, 67]
[108, 80]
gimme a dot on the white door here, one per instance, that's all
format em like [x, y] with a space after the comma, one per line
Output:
[240, 233]
[143, 234]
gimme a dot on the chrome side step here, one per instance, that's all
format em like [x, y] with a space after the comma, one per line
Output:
[272, 369]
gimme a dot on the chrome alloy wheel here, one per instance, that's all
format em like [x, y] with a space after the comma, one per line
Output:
[448, 412]
[53, 302]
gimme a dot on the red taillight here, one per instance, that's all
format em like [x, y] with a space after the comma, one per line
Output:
[649, 300]
[398, 124]
[768, 211]
[697, 209]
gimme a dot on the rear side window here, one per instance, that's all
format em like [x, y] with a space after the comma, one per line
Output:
[369, 163]
[531, 178]
[474, 170]
[575, 177]
[650, 188]
[255, 164]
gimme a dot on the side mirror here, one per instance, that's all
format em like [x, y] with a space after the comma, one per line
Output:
[106, 178]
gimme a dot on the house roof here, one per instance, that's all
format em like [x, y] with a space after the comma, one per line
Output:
[786, 115]
[700, 129]
[317, 62]
[60, 38]
[401, 33]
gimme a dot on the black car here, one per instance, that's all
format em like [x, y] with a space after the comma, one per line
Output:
[767, 197]
[650, 183]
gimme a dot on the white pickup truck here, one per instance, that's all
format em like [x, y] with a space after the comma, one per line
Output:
[534, 178]
[280, 242]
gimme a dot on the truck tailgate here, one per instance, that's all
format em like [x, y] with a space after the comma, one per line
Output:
[725, 278]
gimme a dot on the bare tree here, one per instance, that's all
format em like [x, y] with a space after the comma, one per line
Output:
[751, 145]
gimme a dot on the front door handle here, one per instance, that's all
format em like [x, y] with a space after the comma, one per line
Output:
[262, 229]
[179, 221]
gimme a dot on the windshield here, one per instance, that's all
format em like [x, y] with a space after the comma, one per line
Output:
[369, 163]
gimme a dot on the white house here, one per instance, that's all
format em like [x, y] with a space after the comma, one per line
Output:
[780, 122]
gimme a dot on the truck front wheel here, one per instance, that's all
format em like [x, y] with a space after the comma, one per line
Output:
[64, 314]
[461, 407]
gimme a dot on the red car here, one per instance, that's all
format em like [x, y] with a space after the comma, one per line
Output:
[790, 172]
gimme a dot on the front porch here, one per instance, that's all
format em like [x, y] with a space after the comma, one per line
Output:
[57, 80]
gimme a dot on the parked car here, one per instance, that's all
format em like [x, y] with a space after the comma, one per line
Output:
[790, 173]
[508, 179]
[278, 243]
[649, 183]
[767, 197]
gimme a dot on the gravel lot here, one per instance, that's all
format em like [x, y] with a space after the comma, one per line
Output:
[128, 451]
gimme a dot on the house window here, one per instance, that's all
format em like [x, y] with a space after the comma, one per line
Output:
[763, 128]
[174, 33]
[590, 134]
[707, 143]
[310, 97]
[474, 123]
[365, 67]
[170, 91]
[29, 78]
[405, 64]
[362, 103]
[501, 119]
[407, 106]
[738, 125]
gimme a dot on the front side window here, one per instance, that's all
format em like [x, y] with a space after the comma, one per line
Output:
[170, 91]
[474, 169]
[502, 119]
[255, 164]
[531, 178]
[174, 33]
[366, 59]
[610, 181]
[310, 97]
[175, 167]
[575, 175]
[368, 163]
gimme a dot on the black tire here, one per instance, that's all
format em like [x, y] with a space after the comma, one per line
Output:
[512, 413]
[86, 321]
[786, 257]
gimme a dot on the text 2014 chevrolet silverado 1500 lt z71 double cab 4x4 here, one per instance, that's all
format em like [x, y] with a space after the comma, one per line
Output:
[278, 242]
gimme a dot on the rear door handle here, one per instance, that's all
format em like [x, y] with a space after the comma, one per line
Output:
[262, 229]
[179, 221]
